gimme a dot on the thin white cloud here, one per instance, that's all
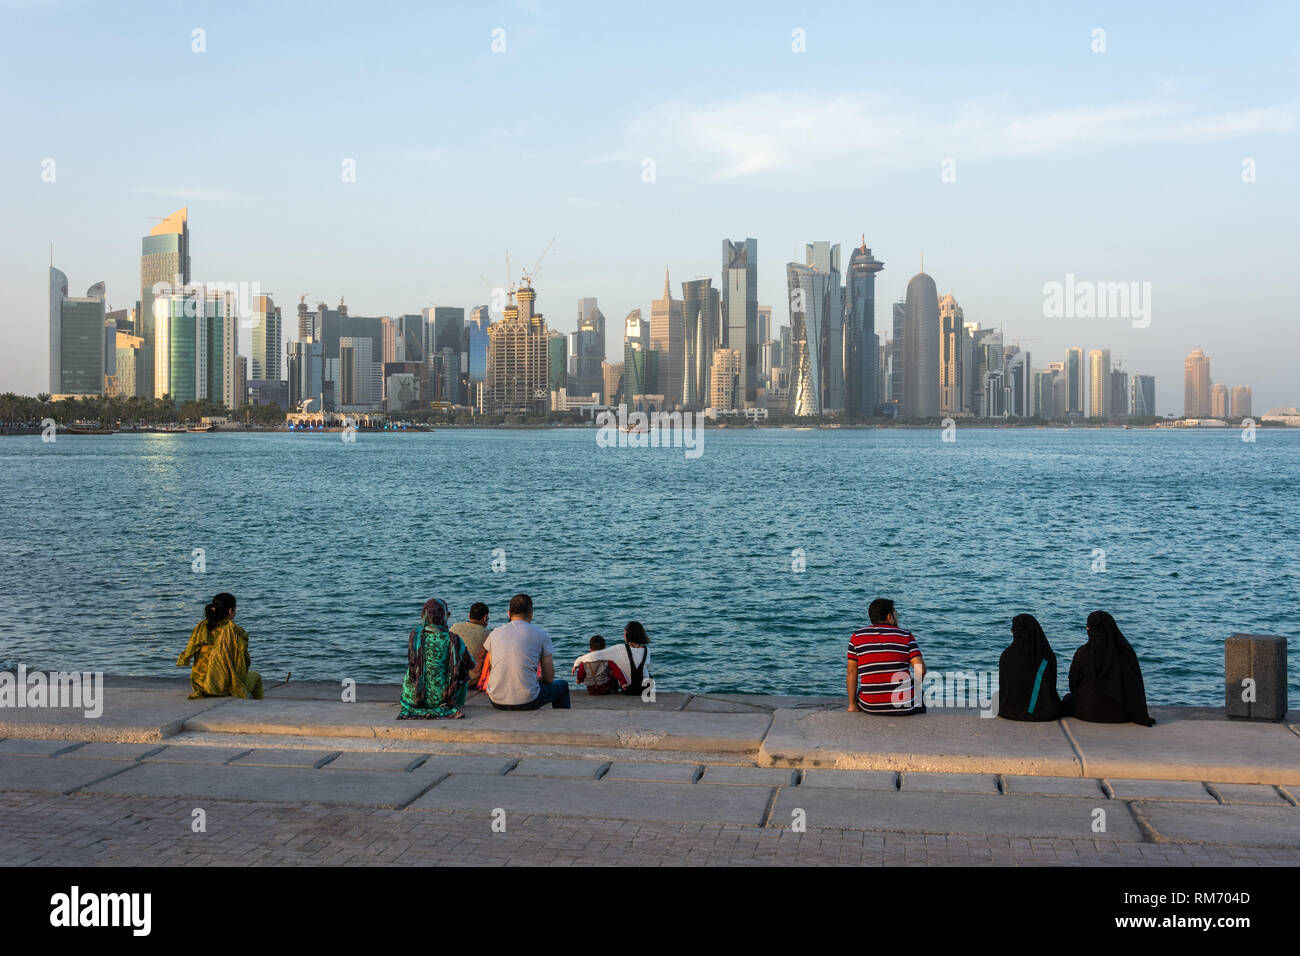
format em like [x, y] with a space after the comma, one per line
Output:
[198, 194]
[768, 132]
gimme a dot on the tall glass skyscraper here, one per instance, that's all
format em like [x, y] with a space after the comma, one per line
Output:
[921, 348]
[898, 370]
[1144, 396]
[165, 258]
[808, 295]
[195, 346]
[701, 318]
[740, 309]
[667, 335]
[860, 334]
[77, 339]
[825, 258]
[1074, 382]
[588, 349]
[267, 345]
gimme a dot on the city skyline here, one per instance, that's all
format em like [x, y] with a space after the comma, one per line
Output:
[1122, 165]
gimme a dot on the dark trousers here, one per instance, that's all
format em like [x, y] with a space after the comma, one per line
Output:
[555, 693]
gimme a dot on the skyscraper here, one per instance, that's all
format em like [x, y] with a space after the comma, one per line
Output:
[1218, 400]
[1099, 383]
[1241, 401]
[588, 349]
[861, 356]
[1196, 385]
[77, 329]
[667, 337]
[701, 335]
[921, 348]
[825, 258]
[1118, 394]
[1043, 397]
[195, 338]
[952, 391]
[1144, 396]
[640, 361]
[809, 297]
[724, 380]
[267, 339]
[740, 309]
[612, 375]
[164, 258]
[897, 371]
[517, 361]
[557, 362]
[1075, 388]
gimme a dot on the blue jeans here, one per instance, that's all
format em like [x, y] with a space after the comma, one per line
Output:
[555, 693]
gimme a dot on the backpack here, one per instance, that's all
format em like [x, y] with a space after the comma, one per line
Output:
[636, 679]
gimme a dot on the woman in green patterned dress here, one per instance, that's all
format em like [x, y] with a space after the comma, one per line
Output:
[437, 668]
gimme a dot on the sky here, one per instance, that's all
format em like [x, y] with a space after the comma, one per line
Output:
[1002, 145]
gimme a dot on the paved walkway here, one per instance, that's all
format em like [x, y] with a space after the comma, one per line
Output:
[303, 777]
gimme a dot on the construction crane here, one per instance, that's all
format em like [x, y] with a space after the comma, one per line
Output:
[531, 274]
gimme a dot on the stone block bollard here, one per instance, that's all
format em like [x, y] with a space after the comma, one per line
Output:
[1255, 676]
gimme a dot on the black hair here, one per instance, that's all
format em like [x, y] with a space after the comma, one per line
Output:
[880, 610]
[220, 608]
[597, 643]
[635, 633]
[521, 605]
[477, 611]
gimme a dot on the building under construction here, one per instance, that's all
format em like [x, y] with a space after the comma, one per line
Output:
[517, 359]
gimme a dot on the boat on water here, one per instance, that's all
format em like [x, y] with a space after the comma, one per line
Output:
[635, 429]
[85, 430]
[201, 428]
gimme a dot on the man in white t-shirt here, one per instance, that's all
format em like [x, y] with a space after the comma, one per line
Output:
[518, 649]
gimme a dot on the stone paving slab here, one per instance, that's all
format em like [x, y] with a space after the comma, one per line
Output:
[193, 755]
[463, 763]
[276, 757]
[954, 813]
[35, 746]
[641, 801]
[1185, 748]
[333, 691]
[1052, 786]
[273, 784]
[57, 775]
[379, 761]
[663, 772]
[941, 742]
[544, 767]
[851, 779]
[1186, 790]
[645, 728]
[1250, 793]
[130, 715]
[763, 776]
[949, 782]
[750, 703]
[1241, 825]
[112, 751]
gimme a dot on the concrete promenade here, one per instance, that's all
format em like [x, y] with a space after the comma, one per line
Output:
[302, 777]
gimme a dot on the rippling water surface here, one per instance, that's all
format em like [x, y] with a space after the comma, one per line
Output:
[331, 547]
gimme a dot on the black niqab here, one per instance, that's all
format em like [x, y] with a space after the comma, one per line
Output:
[1018, 672]
[1105, 678]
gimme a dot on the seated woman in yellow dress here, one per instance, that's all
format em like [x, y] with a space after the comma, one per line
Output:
[217, 654]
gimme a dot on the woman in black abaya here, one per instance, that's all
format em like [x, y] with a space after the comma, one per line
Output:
[1105, 679]
[1027, 674]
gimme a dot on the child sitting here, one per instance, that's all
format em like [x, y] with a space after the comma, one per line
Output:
[595, 675]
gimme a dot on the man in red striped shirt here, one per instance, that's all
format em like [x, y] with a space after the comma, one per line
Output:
[882, 658]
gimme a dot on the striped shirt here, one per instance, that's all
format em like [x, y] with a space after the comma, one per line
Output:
[883, 654]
